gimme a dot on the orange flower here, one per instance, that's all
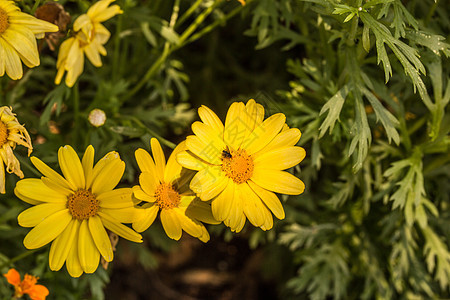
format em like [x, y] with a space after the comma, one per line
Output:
[27, 286]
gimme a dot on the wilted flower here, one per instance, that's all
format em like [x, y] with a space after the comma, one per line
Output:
[11, 134]
[54, 13]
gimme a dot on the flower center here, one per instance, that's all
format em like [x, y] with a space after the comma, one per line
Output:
[3, 133]
[4, 24]
[166, 196]
[237, 165]
[82, 204]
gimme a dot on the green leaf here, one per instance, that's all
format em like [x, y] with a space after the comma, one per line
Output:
[407, 56]
[387, 119]
[437, 257]
[128, 131]
[334, 107]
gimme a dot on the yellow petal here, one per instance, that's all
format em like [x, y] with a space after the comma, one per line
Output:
[268, 220]
[35, 189]
[235, 126]
[160, 160]
[253, 206]
[141, 195]
[209, 182]
[36, 214]
[108, 177]
[118, 198]
[222, 204]
[199, 210]
[264, 133]
[236, 218]
[210, 118]
[145, 161]
[71, 167]
[254, 115]
[93, 55]
[173, 168]
[190, 161]
[269, 199]
[13, 65]
[56, 187]
[122, 215]
[106, 14]
[50, 173]
[88, 253]
[171, 224]
[145, 217]
[61, 246]
[278, 181]
[192, 227]
[120, 229]
[210, 153]
[47, 230]
[24, 42]
[88, 164]
[26, 199]
[289, 137]
[101, 238]
[100, 165]
[148, 183]
[279, 158]
[209, 137]
[73, 262]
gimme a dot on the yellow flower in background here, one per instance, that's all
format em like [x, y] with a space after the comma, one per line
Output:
[73, 211]
[240, 165]
[165, 188]
[18, 33]
[27, 286]
[11, 134]
[90, 36]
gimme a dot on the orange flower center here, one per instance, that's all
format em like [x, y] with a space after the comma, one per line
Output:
[82, 204]
[237, 165]
[166, 196]
[3, 133]
[4, 24]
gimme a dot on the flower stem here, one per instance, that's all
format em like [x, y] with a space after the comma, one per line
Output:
[153, 133]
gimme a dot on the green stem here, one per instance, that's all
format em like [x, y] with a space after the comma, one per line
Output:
[35, 6]
[216, 23]
[188, 13]
[199, 20]
[76, 113]
[153, 133]
[431, 12]
[115, 66]
[18, 257]
[185, 38]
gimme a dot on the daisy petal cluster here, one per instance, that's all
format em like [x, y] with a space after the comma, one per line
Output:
[18, 33]
[72, 211]
[27, 286]
[89, 38]
[240, 164]
[164, 187]
[11, 134]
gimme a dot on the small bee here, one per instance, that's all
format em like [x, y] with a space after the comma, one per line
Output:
[226, 153]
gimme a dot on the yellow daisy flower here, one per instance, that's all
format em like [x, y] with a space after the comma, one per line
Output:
[18, 33]
[89, 39]
[73, 211]
[11, 134]
[165, 188]
[240, 165]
